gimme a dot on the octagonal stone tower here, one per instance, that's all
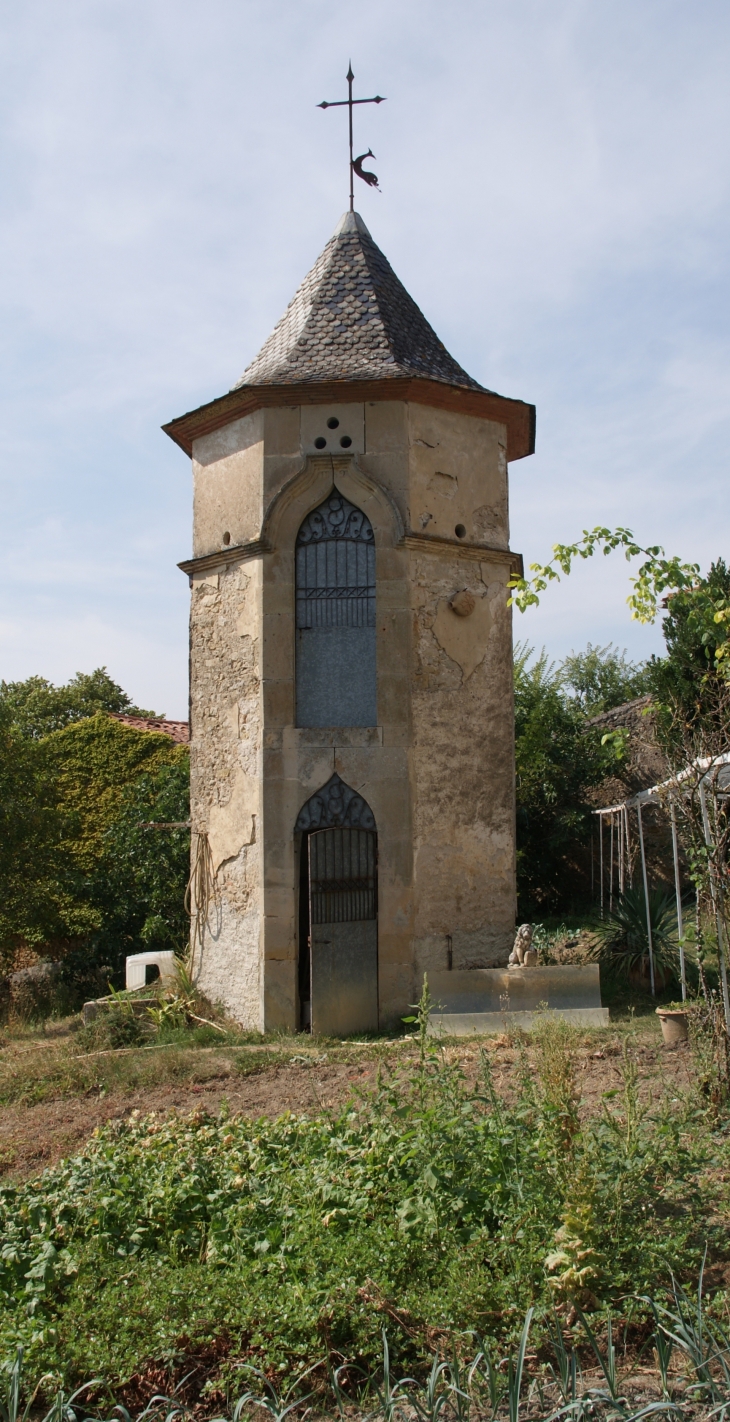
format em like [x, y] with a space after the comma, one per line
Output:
[351, 698]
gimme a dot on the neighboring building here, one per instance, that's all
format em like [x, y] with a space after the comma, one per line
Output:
[352, 757]
[644, 762]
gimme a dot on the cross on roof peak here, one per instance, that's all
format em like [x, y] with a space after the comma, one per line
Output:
[355, 163]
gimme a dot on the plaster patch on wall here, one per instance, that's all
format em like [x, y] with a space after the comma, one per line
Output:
[463, 639]
[247, 714]
[229, 825]
[488, 524]
[207, 585]
[486, 948]
[445, 485]
[230, 971]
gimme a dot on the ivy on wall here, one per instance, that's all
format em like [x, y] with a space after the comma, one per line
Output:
[81, 880]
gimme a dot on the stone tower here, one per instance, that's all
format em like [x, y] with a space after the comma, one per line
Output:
[351, 659]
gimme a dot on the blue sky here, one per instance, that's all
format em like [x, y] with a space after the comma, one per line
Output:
[555, 192]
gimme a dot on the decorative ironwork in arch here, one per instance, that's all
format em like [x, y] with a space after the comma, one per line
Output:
[336, 804]
[335, 558]
[336, 518]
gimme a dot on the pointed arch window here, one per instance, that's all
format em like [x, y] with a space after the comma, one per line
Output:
[335, 616]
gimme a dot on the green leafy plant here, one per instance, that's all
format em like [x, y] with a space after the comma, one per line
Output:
[429, 1200]
[63, 1408]
[657, 576]
[622, 938]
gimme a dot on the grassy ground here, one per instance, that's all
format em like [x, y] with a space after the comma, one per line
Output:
[435, 1190]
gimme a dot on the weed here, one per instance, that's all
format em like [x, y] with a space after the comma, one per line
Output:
[555, 1043]
[117, 1026]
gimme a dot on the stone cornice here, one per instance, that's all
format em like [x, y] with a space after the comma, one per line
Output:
[477, 552]
[225, 558]
[516, 415]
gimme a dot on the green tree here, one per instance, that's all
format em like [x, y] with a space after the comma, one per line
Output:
[93, 760]
[659, 579]
[140, 879]
[37, 707]
[689, 683]
[68, 887]
[603, 677]
[559, 757]
[36, 875]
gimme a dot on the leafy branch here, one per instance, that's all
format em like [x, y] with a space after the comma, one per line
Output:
[656, 576]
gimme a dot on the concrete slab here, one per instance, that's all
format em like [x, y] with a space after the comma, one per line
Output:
[469, 1024]
[515, 990]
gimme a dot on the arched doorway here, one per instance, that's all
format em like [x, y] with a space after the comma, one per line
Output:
[336, 634]
[338, 912]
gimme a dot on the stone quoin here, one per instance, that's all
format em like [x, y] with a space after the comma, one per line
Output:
[351, 703]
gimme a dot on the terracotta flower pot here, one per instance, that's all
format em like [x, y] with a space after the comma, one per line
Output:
[674, 1025]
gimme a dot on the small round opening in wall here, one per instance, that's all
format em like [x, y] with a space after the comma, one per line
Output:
[345, 441]
[332, 423]
[226, 539]
[460, 531]
[320, 442]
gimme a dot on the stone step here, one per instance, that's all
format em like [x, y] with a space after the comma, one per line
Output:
[468, 1024]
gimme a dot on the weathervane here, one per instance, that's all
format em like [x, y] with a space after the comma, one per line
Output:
[355, 163]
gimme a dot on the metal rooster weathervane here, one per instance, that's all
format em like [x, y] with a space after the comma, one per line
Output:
[355, 163]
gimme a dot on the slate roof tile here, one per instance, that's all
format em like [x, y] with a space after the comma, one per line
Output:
[352, 319]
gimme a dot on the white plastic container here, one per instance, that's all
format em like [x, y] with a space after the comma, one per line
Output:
[137, 964]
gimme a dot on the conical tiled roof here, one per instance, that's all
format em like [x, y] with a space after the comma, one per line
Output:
[352, 319]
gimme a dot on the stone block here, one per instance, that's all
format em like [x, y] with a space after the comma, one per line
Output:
[475, 1024]
[280, 996]
[499, 990]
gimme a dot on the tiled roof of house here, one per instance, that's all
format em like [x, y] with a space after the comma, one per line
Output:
[177, 730]
[352, 319]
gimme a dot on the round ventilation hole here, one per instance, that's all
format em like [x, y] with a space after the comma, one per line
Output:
[332, 423]
[226, 539]
[320, 442]
[460, 531]
[345, 441]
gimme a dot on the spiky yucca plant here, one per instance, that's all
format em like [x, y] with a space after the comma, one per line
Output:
[623, 940]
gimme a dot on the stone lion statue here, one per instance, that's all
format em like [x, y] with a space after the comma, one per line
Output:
[523, 954]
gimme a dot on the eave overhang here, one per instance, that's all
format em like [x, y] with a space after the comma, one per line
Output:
[517, 416]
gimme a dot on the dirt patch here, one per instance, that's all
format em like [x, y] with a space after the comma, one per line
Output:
[35, 1136]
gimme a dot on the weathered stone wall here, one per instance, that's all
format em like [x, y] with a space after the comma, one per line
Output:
[437, 770]
[227, 484]
[225, 780]
[463, 729]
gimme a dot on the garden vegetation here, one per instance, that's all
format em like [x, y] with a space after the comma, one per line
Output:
[430, 1205]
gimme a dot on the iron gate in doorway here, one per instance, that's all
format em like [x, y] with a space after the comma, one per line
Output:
[342, 902]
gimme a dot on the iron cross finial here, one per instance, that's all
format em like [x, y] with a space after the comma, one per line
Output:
[355, 163]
